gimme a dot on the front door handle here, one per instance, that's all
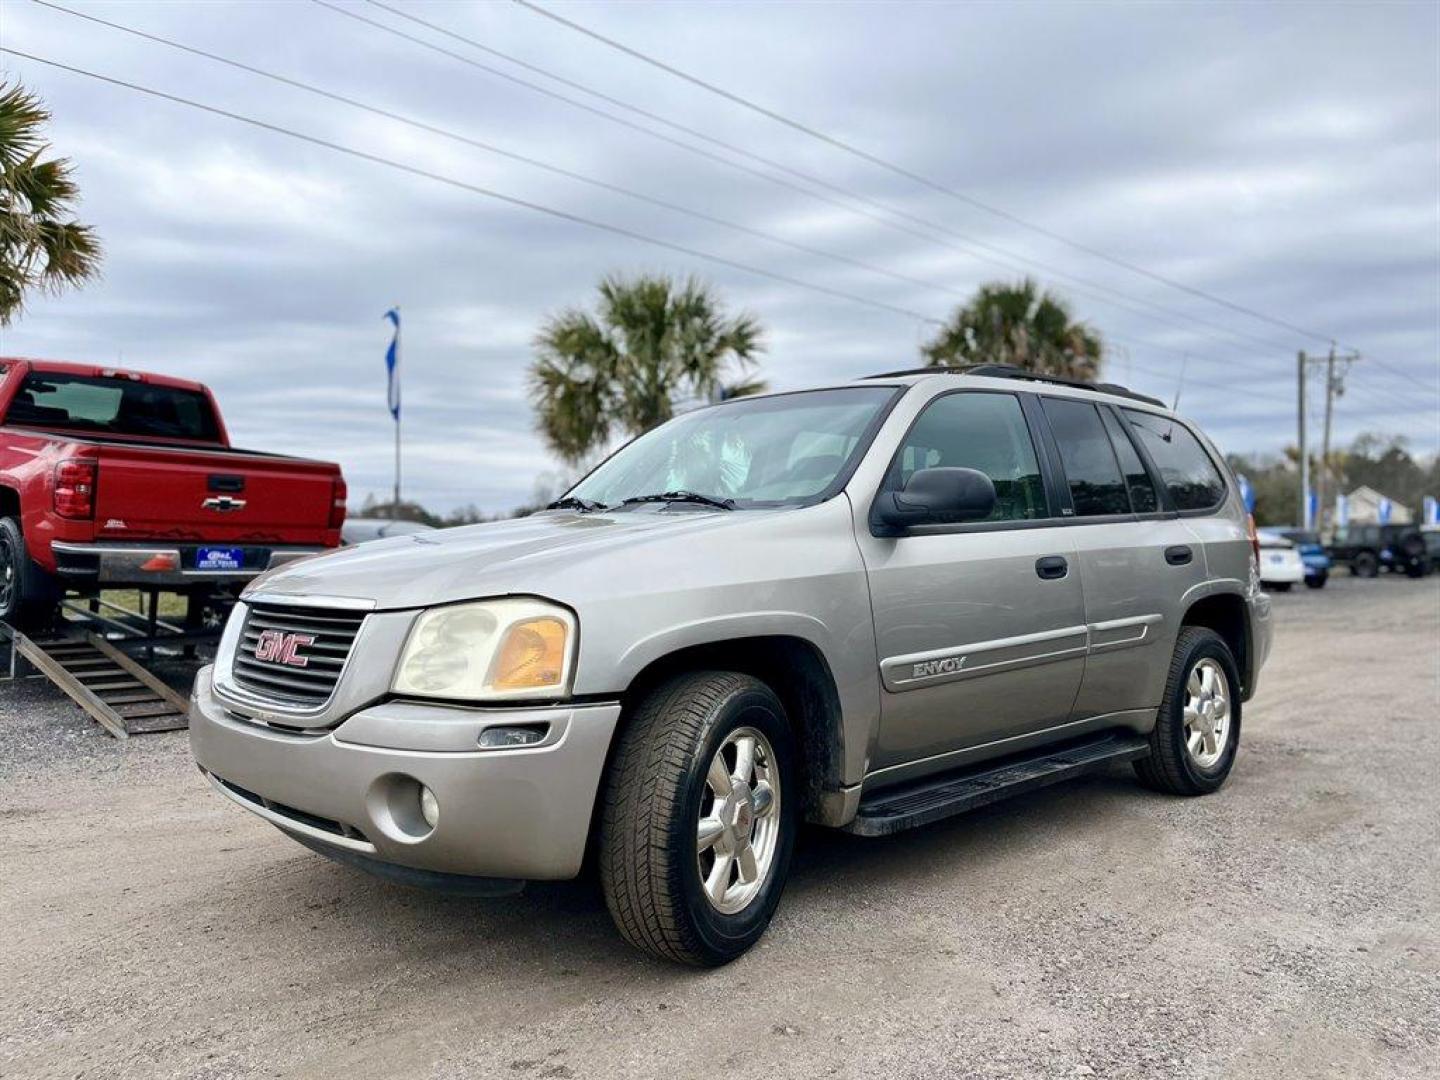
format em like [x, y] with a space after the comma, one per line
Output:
[1179, 555]
[1051, 567]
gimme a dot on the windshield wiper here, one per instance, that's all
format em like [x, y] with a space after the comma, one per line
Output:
[682, 496]
[574, 502]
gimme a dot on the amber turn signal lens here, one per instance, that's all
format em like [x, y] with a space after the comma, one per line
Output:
[532, 656]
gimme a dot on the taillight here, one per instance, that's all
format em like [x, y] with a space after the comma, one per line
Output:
[74, 492]
[1254, 538]
[337, 502]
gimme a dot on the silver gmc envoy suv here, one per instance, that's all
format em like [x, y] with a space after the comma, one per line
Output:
[869, 606]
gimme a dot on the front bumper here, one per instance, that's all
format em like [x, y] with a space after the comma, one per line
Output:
[164, 565]
[521, 813]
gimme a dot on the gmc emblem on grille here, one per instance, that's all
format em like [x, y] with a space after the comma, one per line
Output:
[278, 647]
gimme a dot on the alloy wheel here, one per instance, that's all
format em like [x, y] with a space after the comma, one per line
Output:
[7, 574]
[738, 832]
[1207, 713]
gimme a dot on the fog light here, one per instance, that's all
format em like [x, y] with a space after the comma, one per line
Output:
[429, 806]
[494, 738]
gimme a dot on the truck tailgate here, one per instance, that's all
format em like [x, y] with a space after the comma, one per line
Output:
[151, 493]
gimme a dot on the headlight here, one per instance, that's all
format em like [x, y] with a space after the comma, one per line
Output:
[488, 650]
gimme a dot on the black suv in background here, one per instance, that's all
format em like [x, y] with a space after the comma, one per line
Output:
[1366, 549]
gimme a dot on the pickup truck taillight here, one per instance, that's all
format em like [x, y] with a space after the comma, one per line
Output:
[74, 491]
[1254, 540]
[337, 502]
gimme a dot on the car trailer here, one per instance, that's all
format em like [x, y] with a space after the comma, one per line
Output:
[88, 656]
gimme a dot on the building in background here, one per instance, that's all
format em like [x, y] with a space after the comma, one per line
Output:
[1366, 506]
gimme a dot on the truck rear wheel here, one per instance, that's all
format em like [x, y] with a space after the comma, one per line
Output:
[1197, 733]
[700, 815]
[1365, 564]
[29, 597]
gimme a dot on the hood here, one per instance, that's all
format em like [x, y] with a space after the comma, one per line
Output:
[522, 555]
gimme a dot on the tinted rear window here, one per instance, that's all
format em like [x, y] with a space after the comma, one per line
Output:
[1185, 468]
[1096, 486]
[112, 406]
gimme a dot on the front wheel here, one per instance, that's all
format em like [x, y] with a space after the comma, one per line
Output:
[1317, 581]
[1278, 586]
[1365, 564]
[1197, 732]
[701, 810]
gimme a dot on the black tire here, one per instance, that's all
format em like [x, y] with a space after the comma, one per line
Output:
[1365, 564]
[1278, 586]
[29, 597]
[1317, 581]
[648, 849]
[1171, 767]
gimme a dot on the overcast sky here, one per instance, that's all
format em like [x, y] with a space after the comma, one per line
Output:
[1283, 156]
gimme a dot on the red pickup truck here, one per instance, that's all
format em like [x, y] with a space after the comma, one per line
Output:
[112, 478]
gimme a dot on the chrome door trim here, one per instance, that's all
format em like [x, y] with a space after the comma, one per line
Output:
[937, 666]
[1125, 633]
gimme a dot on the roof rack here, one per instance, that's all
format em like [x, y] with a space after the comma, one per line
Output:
[1010, 371]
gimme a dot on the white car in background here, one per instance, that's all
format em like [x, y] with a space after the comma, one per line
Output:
[1280, 563]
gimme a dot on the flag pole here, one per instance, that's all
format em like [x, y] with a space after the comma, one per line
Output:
[392, 399]
[395, 506]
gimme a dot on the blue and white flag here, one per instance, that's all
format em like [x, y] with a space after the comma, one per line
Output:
[1431, 514]
[1342, 510]
[392, 366]
[1247, 492]
[1384, 510]
[1312, 508]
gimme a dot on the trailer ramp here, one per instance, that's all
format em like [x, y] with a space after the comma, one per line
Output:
[117, 692]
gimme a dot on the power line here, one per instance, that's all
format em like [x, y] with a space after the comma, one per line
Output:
[492, 149]
[1088, 287]
[900, 170]
[463, 185]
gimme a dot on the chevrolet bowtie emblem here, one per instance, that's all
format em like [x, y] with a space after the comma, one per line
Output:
[223, 504]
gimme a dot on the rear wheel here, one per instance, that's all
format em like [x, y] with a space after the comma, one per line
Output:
[29, 597]
[701, 810]
[1197, 733]
[1317, 581]
[1365, 564]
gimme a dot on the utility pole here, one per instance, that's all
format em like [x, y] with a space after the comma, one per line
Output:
[1336, 368]
[1304, 518]
[1334, 387]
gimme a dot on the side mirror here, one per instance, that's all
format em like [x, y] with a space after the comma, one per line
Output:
[935, 497]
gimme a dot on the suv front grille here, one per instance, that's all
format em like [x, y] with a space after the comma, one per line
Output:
[294, 655]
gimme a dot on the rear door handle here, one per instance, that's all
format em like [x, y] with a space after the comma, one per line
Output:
[1178, 555]
[1051, 567]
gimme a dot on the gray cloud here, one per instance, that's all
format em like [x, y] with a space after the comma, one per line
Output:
[1284, 156]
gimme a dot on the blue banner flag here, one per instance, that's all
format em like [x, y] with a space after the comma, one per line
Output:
[1432, 511]
[1312, 509]
[1342, 510]
[1247, 492]
[392, 366]
[1384, 511]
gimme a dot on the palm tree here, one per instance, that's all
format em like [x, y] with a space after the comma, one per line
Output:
[654, 344]
[41, 245]
[1020, 325]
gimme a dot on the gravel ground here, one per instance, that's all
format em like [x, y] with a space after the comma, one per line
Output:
[1286, 927]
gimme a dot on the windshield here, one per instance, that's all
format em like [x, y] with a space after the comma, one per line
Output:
[113, 406]
[772, 451]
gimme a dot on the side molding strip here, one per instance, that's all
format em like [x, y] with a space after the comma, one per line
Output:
[937, 666]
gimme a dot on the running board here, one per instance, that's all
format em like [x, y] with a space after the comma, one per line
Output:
[934, 798]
